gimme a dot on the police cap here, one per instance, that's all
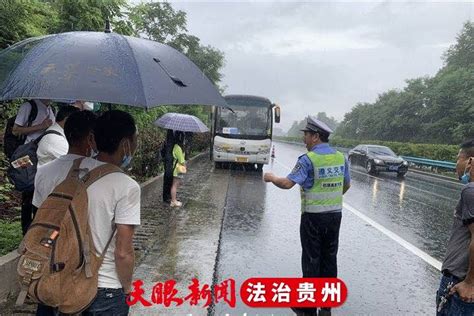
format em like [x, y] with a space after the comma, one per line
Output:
[315, 125]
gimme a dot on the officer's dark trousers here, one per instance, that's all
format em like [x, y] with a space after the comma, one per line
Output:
[319, 235]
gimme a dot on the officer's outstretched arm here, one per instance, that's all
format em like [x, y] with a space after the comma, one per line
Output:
[282, 183]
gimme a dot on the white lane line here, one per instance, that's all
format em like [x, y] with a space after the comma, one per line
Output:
[402, 242]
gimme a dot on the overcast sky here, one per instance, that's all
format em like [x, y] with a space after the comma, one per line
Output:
[325, 56]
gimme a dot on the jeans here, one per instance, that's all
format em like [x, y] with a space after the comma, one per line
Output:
[108, 302]
[454, 305]
[319, 234]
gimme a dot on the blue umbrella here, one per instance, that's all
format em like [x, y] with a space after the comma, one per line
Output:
[103, 67]
[182, 122]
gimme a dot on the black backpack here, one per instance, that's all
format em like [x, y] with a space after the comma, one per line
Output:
[12, 142]
[24, 178]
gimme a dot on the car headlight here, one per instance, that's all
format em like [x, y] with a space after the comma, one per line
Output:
[378, 161]
[405, 163]
[265, 151]
[218, 149]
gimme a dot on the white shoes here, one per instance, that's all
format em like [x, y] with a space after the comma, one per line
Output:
[176, 204]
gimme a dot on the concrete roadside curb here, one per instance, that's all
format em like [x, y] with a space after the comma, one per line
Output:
[9, 285]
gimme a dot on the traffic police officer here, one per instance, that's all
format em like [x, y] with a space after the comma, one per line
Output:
[323, 175]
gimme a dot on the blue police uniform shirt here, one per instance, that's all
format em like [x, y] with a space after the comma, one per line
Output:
[303, 172]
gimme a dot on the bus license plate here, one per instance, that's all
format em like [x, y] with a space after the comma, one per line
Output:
[242, 159]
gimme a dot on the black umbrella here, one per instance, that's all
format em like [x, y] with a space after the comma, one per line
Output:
[103, 67]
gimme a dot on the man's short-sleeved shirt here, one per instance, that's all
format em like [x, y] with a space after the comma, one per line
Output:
[44, 112]
[115, 198]
[52, 146]
[457, 251]
[303, 172]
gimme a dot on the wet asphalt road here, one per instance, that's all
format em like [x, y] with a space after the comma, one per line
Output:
[384, 276]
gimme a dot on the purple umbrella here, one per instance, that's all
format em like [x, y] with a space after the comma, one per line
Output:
[181, 122]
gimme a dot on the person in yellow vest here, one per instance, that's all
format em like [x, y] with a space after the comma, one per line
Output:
[323, 175]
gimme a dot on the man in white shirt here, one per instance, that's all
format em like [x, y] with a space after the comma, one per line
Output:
[44, 119]
[52, 145]
[114, 200]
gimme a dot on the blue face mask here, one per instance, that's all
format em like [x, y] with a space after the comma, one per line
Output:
[465, 179]
[127, 159]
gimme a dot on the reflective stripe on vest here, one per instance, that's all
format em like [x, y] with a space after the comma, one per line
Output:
[326, 193]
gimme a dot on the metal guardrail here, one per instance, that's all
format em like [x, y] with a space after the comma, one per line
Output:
[431, 163]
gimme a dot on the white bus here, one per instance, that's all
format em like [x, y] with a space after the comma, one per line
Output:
[242, 132]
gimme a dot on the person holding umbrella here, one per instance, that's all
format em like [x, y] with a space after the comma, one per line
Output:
[179, 167]
[177, 124]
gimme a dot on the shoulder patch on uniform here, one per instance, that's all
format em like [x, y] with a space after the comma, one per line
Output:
[296, 168]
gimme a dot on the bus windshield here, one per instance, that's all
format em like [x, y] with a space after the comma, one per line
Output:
[244, 122]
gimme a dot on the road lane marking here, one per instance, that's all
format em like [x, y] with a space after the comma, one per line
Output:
[402, 242]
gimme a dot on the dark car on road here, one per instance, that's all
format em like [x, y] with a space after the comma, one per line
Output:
[378, 158]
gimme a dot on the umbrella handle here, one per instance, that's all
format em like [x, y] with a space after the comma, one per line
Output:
[175, 79]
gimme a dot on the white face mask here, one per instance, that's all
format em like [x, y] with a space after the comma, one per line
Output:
[89, 106]
[94, 153]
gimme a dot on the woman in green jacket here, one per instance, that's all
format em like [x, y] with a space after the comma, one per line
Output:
[178, 162]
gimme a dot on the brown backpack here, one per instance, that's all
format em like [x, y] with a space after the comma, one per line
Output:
[59, 266]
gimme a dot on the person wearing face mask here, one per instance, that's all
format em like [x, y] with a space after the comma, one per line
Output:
[455, 295]
[114, 201]
[55, 144]
[78, 130]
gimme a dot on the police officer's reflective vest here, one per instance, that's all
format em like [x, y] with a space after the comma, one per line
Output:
[326, 193]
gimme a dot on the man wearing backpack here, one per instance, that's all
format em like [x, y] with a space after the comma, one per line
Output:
[55, 144]
[44, 118]
[113, 202]
[33, 118]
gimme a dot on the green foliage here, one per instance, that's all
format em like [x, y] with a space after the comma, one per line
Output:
[87, 15]
[158, 21]
[23, 19]
[461, 54]
[10, 237]
[430, 110]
